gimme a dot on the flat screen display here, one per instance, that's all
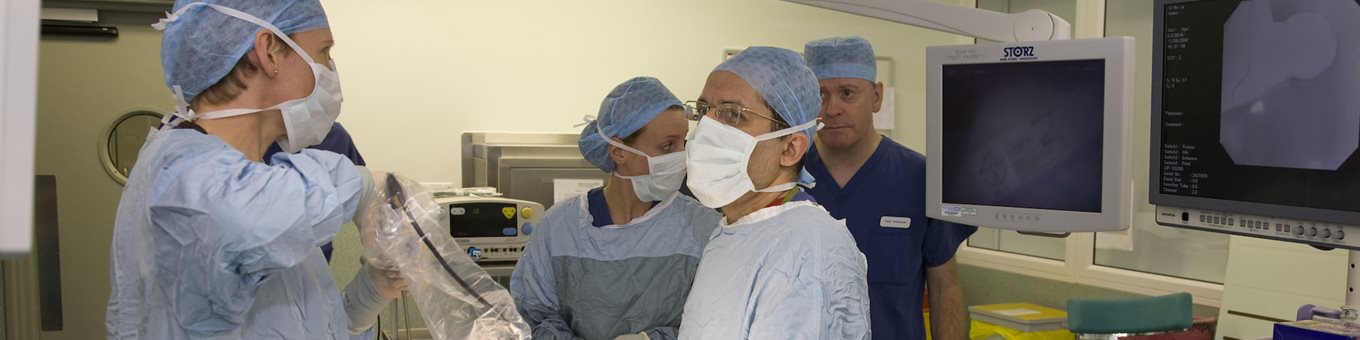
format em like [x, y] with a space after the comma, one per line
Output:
[1023, 134]
[483, 220]
[1260, 103]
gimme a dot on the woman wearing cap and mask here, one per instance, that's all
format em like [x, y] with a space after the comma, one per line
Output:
[212, 240]
[618, 261]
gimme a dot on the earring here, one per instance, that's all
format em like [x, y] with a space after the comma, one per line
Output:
[276, 72]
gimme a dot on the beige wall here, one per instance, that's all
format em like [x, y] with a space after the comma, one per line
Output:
[418, 75]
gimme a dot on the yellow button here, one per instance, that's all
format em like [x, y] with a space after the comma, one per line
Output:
[527, 212]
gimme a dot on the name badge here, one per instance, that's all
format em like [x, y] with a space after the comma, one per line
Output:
[895, 222]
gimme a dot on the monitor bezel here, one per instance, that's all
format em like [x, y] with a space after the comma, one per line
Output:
[520, 236]
[1117, 52]
[1155, 195]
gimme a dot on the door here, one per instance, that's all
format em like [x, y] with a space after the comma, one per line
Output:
[84, 84]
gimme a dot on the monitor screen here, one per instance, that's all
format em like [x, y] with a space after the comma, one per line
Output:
[483, 220]
[1030, 136]
[1037, 145]
[1259, 103]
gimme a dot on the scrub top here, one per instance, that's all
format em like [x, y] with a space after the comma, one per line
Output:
[599, 208]
[577, 280]
[883, 205]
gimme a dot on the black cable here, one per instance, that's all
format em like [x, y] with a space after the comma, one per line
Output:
[396, 199]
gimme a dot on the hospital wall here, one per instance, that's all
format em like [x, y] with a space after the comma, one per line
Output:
[418, 75]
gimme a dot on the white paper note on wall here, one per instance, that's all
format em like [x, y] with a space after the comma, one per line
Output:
[564, 188]
[886, 117]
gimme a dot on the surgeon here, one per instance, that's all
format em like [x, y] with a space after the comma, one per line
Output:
[878, 187]
[212, 240]
[779, 267]
[617, 261]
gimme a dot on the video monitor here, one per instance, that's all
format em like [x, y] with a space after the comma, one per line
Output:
[1030, 136]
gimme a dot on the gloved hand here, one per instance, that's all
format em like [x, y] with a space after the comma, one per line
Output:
[388, 283]
[368, 293]
[638, 336]
[369, 217]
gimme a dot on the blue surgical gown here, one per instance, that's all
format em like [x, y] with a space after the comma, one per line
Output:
[208, 244]
[891, 183]
[784, 272]
[338, 141]
[576, 280]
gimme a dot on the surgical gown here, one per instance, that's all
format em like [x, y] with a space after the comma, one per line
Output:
[577, 280]
[884, 206]
[208, 244]
[783, 272]
[338, 140]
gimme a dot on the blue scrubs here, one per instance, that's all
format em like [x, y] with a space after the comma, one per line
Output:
[892, 183]
[337, 141]
[599, 208]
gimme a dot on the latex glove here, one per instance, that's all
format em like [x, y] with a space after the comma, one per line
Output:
[371, 215]
[388, 282]
[368, 293]
[371, 199]
[638, 336]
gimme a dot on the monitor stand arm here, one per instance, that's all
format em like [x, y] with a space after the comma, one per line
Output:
[1031, 25]
[1349, 312]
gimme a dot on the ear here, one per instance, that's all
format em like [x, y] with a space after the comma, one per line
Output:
[794, 148]
[878, 96]
[617, 154]
[265, 53]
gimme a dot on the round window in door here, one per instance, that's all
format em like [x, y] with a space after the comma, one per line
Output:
[123, 139]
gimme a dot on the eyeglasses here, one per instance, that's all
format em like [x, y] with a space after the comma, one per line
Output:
[729, 113]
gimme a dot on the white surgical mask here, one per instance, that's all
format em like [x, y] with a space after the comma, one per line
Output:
[665, 173]
[306, 120]
[718, 156]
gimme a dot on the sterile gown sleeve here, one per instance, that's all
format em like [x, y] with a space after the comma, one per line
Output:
[231, 222]
[534, 285]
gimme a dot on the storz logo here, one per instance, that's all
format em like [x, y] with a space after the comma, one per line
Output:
[1019, 53]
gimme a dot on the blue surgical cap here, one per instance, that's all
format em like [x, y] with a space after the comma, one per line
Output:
[842, 57]
[784, 82]
[202, 45]
[626, 109]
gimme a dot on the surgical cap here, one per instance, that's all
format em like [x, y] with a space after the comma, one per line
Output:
[624, 111]
[202, 45]
[784, 82]
[842, 57]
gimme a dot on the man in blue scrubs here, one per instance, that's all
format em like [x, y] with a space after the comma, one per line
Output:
[878, 187]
